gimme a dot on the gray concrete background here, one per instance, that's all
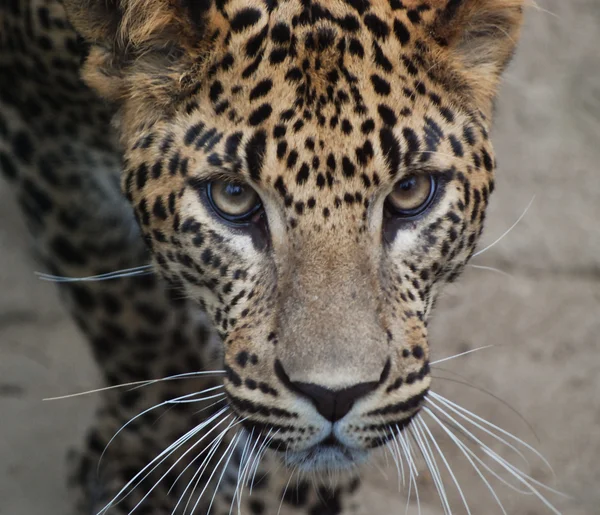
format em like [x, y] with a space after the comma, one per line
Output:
[544, 319]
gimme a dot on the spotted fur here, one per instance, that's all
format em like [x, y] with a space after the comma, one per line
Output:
[322, 107]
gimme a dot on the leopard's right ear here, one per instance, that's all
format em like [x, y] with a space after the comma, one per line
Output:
[133, 40]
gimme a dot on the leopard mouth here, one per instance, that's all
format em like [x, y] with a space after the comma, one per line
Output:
[327, 455]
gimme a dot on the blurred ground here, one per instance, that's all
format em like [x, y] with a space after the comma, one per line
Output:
[544, 319]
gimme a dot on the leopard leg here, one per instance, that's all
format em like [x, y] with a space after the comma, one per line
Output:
[58, 156]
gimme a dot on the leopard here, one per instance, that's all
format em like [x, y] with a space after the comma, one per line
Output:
[253, 206]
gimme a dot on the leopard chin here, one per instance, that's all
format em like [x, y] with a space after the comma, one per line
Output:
[325, 458]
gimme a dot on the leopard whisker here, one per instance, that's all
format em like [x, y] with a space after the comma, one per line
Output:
[390, 446]
[197, 476]
[456, 408]
[470, 435]
[401, 474]
[507, 232]
[487, 392]
[410, 447]
[261, 454]
[152, 408]
[412, 469]
[126, 272]
[246, 466]
[162, 456]
[518, 474]
[432, 465]
[237, 492]
[284, 492]
[255, 459]
[525, 479]
[140, 384]
[445, 461]
[213, 444]
[234, 442]
[217, 441]
[490, 269]
[437, 362]
[188, 401]
[462, 448]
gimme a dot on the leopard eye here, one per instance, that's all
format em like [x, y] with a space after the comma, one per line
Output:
[235, 202]
[412, 195]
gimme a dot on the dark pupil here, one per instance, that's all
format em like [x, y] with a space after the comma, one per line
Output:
[234, 190]
[408, 184]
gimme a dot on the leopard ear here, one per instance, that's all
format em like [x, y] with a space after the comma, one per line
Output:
[129, 38]
[481, 35]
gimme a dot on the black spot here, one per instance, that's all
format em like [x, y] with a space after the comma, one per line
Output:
[401, 32]
[242, 358]
[368, 126]
[356, 48]
[381, 86]
[387, 115]
[7, 167]
[487, 160]
[22, 146]
[260, 115]
[280, 33]
[261, 89]
[302, 175]
[65, 251]
[348, 167]
[232, 144]
[412, 140]
[216, 90]
[457, 147]
[244, 19]
[377, 26]
[391, 150]
[255, 153]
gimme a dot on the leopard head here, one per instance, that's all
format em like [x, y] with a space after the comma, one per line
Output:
[312, 173]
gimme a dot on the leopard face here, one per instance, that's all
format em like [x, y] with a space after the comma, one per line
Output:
[312, 173]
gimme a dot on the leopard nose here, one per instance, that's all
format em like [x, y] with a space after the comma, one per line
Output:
[332, 404]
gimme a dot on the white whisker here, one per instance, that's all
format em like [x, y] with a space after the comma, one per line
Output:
[479, 460]
[225, 453]
[156, 406]
[211, 449]
[445, 461]
[490, 269]
[521, 475]
[234, 442]
[461, 446]
[213, 444]
[431, 463]
[127, 272]
[261, 453]
[413, 473]
[284, 492]
[507, 231]
[160, 459]
[495, 427]
[140, 384]
[470, 435]
[461, 354]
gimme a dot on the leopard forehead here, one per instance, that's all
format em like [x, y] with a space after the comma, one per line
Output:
[321, 107]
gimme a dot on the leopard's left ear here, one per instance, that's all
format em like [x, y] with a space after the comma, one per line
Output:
[481, 36]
